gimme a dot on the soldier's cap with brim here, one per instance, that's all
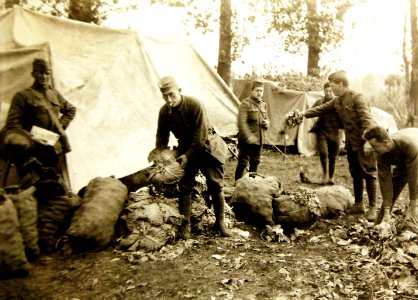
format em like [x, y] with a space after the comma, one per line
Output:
[168, 84]
[40, 64]
[256, 83]
[337, 76]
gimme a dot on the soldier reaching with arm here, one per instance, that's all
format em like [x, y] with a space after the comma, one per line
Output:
[185, 117]
[356, 117]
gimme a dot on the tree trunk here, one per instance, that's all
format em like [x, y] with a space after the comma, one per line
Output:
[225, 41]
[314, 44]
[413, 91]
[409, 105]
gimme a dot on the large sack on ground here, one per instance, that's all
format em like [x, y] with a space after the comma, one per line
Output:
[13, 260]
[334, 200]
[94, 221]
[252, 199]
[297, 207]
[54, 216]
[27, 211]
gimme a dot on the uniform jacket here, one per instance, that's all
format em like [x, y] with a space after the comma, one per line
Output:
[189, 124]
[251, 114]
[404, 157]
[327, 124]
[28, 109]
[355, 114]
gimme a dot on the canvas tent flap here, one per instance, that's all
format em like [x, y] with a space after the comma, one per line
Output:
[111, 77]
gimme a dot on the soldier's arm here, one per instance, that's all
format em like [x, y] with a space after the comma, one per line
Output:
[67, 111]
[385, 182]
[163, 130]
[16, 112]
[243, 126]
[317, 111]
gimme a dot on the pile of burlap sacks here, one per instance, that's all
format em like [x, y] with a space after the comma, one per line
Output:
[31, 226]
[261, 201]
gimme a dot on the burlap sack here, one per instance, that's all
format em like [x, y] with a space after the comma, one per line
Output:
[13, 260]
[334, 200]
[297, 207]
[94, 221]
[252, 199]
[54, 216]
[287, 211]
[27, 211]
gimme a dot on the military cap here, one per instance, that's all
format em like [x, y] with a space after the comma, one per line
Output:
[168, 84]
[40, 64]
[338, 76]
[256, 83]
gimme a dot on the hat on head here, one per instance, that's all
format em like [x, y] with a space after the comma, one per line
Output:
[338, 76]
[168, 84]
[40, 64]
[256, 83]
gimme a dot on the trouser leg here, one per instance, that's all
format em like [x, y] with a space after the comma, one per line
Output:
[186, 210]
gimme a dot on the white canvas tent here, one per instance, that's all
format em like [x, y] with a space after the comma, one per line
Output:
[281, 101]
[111, 77]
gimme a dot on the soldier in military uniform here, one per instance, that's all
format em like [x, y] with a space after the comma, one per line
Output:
[327, 130]
[397, 164]
[42, 106]
[252, 125]
[356, 116]
[199, 148]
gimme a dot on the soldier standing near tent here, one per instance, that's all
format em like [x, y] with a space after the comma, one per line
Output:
[399, 150]
[199, 148]
[252, 125]
[39, 106]
[327, 133]
[356, 116]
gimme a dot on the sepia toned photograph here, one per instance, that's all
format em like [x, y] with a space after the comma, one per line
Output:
[208, 149]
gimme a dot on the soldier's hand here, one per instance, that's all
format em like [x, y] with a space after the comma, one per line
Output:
[182, 160]
[266, 123]
[367, 148]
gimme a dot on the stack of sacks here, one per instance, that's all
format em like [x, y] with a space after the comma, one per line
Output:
[13, 261]
[27, 212]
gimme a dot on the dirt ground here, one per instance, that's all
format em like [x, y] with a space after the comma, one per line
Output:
[319, 263]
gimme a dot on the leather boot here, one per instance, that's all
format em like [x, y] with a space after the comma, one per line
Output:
[371, 186]
[358, 207]
[186, 210]
[239, 171]
[219, 207]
